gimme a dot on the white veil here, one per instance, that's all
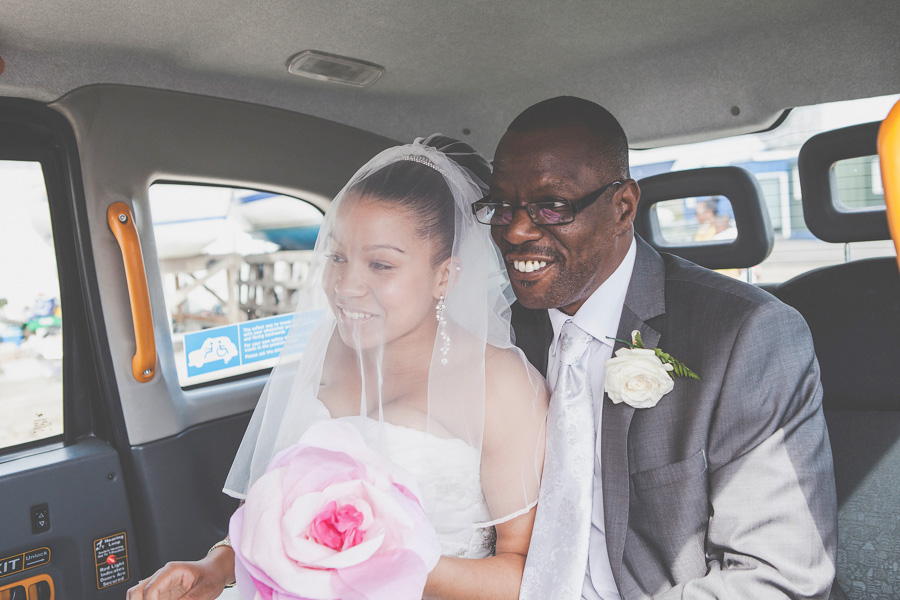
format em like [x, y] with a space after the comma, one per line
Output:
[480, 390]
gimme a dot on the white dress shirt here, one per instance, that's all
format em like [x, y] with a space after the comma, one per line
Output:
[598, 316]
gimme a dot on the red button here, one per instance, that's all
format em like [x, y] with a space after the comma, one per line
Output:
[111, 559]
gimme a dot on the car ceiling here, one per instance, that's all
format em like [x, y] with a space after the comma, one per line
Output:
[671, 71]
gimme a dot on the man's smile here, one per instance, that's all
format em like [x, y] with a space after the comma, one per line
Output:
[528, 266]
[526, 271]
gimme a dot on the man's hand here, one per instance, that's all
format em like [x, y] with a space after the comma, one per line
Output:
[198, 580]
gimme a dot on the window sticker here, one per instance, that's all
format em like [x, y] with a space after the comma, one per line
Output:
[228, 349]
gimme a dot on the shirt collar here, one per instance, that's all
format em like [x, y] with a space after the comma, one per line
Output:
[599, 315]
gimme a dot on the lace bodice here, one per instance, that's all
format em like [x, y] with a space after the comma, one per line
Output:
[448, 473]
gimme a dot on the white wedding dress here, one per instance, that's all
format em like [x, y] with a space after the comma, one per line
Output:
[449, 477]
[448, 473]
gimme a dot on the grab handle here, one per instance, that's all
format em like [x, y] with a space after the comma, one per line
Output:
[889, 155]
[121, 223]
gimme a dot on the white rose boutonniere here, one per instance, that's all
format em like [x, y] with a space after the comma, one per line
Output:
[640, 376]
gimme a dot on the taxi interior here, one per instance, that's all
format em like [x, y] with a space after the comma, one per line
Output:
[141, 124]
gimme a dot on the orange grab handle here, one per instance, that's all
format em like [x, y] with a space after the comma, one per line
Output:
[889, 155]
[121, 222]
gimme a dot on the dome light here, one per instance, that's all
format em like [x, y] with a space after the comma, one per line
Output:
[331, 67]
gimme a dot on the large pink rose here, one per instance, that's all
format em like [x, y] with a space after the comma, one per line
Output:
[331, 519]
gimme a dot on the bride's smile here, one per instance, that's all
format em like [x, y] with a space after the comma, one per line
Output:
[354, 316]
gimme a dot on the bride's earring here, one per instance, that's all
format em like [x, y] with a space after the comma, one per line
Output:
[442, 328]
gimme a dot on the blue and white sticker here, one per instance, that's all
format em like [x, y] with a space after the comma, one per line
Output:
[221, 348]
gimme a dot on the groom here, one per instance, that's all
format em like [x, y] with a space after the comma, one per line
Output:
[724, 488]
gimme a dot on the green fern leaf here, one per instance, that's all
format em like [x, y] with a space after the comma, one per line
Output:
[678, 368]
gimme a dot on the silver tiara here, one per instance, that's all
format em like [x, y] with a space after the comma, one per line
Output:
[422, 160]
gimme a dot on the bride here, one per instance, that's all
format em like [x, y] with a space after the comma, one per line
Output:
[412, 345]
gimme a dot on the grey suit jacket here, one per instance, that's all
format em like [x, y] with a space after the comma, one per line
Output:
[725, 489]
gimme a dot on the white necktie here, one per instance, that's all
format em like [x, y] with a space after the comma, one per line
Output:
[558, 554]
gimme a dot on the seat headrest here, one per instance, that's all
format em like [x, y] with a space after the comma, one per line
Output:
[825, 217]
[754, 231]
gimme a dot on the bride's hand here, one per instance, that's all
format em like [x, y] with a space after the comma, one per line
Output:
[197, 580]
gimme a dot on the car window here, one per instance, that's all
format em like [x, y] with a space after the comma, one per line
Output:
[231, 261]
[859, 184]
[772, 157]
[705, 219]
[31, 392]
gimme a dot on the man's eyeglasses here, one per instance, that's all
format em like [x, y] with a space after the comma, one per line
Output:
[543, 212]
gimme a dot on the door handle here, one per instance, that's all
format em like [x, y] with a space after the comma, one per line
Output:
[121, 223]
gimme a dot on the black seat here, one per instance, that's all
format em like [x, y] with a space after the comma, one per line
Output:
[853, 311]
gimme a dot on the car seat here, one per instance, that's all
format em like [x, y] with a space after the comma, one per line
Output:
[853, 311]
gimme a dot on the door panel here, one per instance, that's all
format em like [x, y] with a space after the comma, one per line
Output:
[77, 493]
[181, 481]
[66, 529]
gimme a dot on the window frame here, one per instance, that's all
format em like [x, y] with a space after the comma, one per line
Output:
[32, 132]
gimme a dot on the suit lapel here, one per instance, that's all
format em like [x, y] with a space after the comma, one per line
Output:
[644, 300]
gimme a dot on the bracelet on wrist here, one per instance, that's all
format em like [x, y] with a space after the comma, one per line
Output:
[219, 544]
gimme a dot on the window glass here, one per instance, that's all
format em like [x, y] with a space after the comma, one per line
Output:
[772, 157]
[231, 260]
[708, 219]
[859, 183]
[31, 393]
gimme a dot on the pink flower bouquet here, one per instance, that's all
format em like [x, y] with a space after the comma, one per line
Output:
[331, 519]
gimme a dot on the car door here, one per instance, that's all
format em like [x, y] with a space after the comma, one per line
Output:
[66, 527]
[128, 388]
